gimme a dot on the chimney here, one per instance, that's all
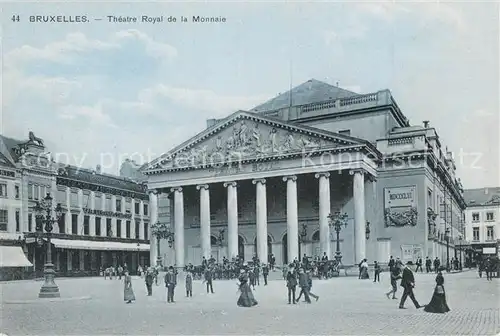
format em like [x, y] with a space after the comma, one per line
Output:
[426, 123]
[98, 169]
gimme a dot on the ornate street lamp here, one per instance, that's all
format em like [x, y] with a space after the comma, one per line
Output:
[161, 231]
[302, 237]
[447, 238]
[460, 249]
[220, 237]
[138, 255]
[367, 230]
[44, 221]
[336, 221]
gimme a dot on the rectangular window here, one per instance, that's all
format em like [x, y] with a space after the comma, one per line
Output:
[98, 226]
[18, 223]
[4, 217]
[475, 234]
[145, 210]
[98, 202]
[490, 233]
[86, 225]
[109, 229]
[109, 205]
[36, 196]
[136, 207]
[118, 205]
[475, 217]
[146, 233]
[30, 191]
[128, 206]
[137, 228]
[61, 196]
[3, 190]
[74, 198]
[490, 216]
[118, 228]
[74, 224]
[30, 223]
[62, 223]
[16, 191]
[128, 229]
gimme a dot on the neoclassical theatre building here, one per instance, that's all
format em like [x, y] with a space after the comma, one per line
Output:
[264, 181]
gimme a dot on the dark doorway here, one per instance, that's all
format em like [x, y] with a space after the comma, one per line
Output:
[241, 247]
[284, 243]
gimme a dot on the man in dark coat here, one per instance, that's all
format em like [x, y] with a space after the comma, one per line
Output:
[149, 279]
[408, 283]
[291, 284]
[170, 283]
[419, 265]
[437, 263]
[304, 285]
[208, 279]
[265, 273]
[391, 264]
[428, 265]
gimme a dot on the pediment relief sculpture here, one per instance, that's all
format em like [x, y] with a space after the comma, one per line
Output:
[247, 139]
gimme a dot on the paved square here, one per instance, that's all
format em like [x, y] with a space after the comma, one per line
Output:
[347, 306]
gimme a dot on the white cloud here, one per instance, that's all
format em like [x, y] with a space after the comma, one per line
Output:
[94, 113]
[153, 48]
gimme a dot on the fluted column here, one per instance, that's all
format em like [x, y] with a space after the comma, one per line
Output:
[153, 218]
[80, 212]
[359, 214]
[92, 217]
[261, 209]
[179, 226]
[324, 211]
[232, 219]
[292, 217]
[67, 217]
[205, 220]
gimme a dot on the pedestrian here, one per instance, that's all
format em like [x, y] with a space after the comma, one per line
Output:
[304, 286]
[376, 274]
[395, 276]
[408, 283]
[438, 302]
[291, 284]
[170, 283]
[391, 264]
[149, 278]
[189, 284]
[265, 273]
[309, 288]
[120, 272]
[419, 265]
[428, 264]
[128, 292]
[208, 280]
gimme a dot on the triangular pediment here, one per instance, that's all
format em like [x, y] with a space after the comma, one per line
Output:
[247, 136]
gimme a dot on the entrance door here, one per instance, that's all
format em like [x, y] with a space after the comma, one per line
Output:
[241, 247]
[284, 244]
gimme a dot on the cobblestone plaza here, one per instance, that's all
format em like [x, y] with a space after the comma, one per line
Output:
[347, 306]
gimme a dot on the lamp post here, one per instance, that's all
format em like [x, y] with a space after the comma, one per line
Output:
[336, 221]
[44, 221]
[447, 238]
[302, 237]
[138, 256]
[161, 231]
[460, 249]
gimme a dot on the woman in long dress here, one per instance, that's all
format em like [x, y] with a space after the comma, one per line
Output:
[364, 270]
[246, 298]
[438, 302]
[128, 292]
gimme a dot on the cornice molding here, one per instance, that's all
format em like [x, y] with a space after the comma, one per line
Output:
[80, 186]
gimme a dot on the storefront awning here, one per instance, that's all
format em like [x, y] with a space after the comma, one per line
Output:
[97, 245]
[13, 256]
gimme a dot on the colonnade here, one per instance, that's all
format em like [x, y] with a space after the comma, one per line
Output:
[261, 216]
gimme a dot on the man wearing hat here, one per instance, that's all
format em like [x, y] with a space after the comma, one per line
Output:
[170, 283]
[408, 283]
[304, 285]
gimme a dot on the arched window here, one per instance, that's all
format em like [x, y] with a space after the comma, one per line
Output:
[315, 237]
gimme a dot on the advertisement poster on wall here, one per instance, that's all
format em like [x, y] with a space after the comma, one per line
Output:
[411, 252]
[400, 206]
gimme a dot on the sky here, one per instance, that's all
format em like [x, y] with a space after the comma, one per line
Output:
[98, 92]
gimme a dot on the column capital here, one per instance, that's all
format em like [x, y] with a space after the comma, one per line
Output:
[290, 177]
[230, 183]
[261, 181]
[202, 186]
[153, 191]
[178, 189]
[322, 174]
[357, 171]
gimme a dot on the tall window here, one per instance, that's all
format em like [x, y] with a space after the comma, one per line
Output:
[128, 206]
[18, 223]
[98, 202]
[74, 224]
[30, 225]
[109, 229]
[62, 223]
[137, 229]
[86, 225]
[30, 191]
[118, 228]
[37, 192]
[128, 229]
[118, 205]
[98, 226]
[475, 234]
[4, 217]
[74, 199]
[490, 233]
[490, 216]
[146, 233]
[475, 217]
[145, 210]
[3, 190]
[136, 207]
[430, 199]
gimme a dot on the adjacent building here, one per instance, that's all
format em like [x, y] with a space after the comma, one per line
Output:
[482, 220]
[104, 221]
[265, 181]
